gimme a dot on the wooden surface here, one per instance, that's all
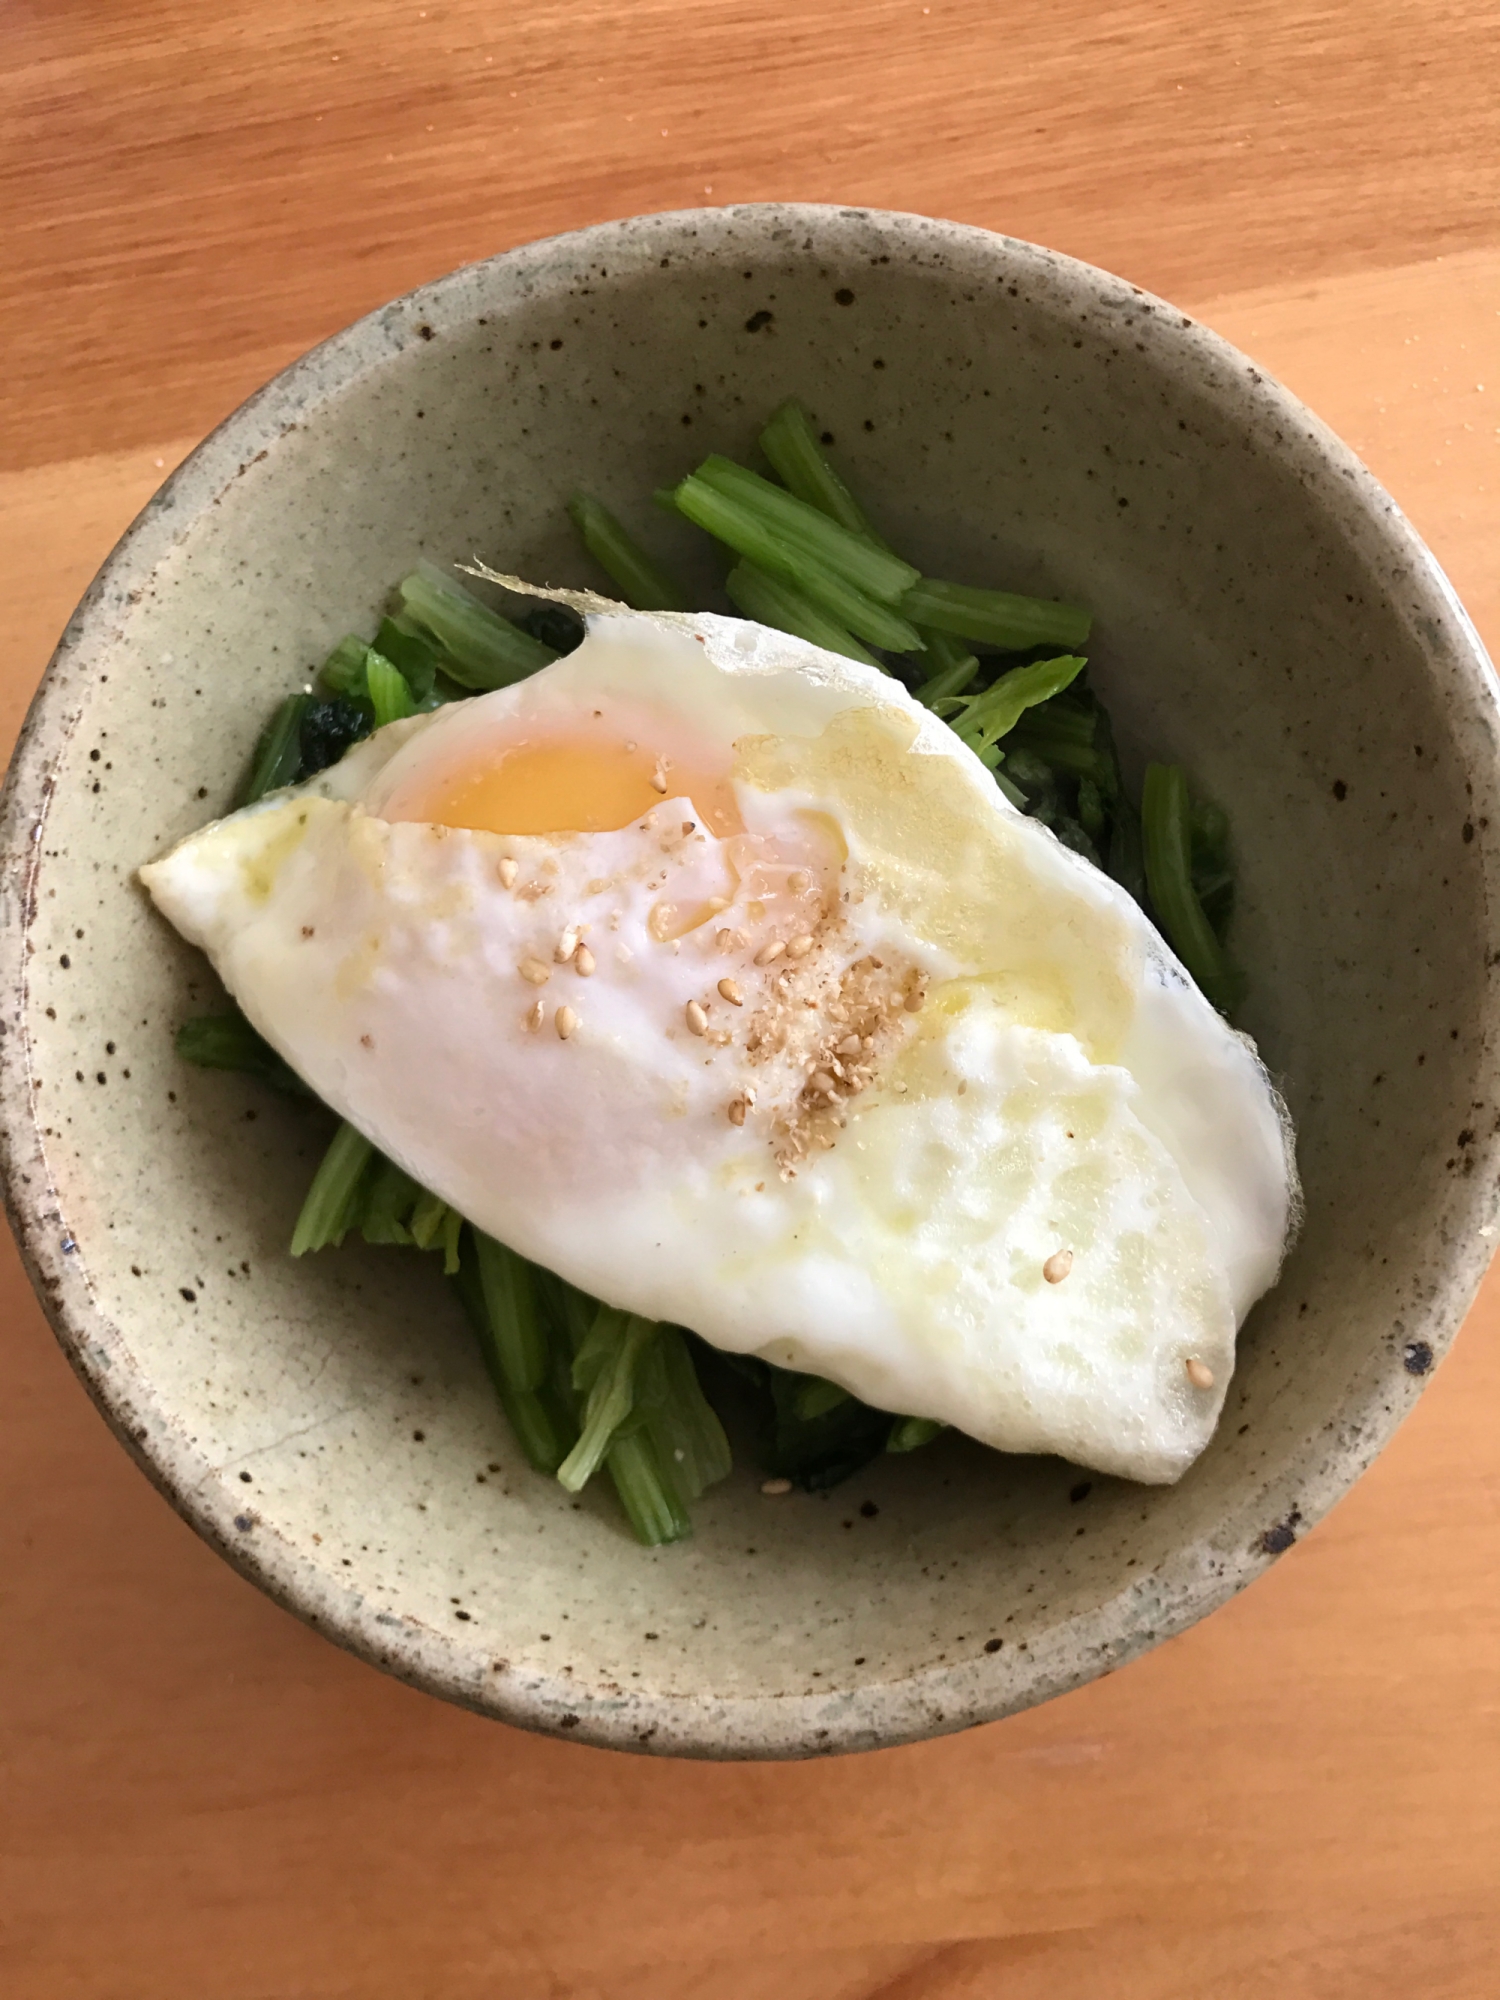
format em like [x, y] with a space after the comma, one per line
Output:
[199, 1800]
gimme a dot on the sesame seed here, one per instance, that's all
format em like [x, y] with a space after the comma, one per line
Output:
[737, 1111]
[769, 953]
[724, 940]
[565, 1022]
[915, 1000]
[799, 947]
[567, 944]
[774, 1488]
[799, 881]
[851, 1045]
[1057, 1266]
[697, 1020]
[508, 870]
[729, 990]
[534, 970]
[689, 826]
[658, 780]
[821, 1080]
[535, 1018]
[583, 962]
[1199, 1373]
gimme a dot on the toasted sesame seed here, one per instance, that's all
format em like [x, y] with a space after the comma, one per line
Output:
[799, 947]
[508, 870]
[565, 1021]
[798, 881]
[535, 1018]
[534, 970]
[851, 1045]
[689, 826]
[658, 780]
[1057, 1266]
[738, 1110]
[697, 1020]
[729, 990]
[567, 944]
[769, 953]
[583, 962]
[774, 1488]
[1199, 1373]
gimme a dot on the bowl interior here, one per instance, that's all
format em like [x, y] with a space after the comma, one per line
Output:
[1263, 616]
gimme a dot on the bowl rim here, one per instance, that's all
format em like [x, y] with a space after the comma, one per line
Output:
[1197, 1577]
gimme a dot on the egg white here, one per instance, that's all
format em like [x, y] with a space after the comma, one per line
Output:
[1057, 1083]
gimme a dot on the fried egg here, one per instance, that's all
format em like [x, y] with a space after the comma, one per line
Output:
[712, 972]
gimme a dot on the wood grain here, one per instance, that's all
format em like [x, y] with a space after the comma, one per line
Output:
[197, 193]
[199, 1800]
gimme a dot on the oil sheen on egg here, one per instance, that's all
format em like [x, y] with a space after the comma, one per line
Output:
[711, 971]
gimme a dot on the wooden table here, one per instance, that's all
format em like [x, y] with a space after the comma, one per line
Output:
[200, 1800]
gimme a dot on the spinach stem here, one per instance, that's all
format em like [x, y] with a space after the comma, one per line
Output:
[642, 583]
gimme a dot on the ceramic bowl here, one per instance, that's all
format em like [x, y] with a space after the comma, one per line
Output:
[1264, 615]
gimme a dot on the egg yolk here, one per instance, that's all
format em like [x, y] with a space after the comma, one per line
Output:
[569, 782]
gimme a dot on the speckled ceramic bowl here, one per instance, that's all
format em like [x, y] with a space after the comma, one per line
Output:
[1264, 614]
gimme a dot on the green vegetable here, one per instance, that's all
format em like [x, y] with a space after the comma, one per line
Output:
[683, 1424]
[769, 601]
[948, 680]
[540, 1420]
[860, 561]
[814, 1397]
[389, 694]
[980, 720]
[647, 1490]
[279, 752]
[333, 1201]
[510, 1303]
[343, 672]
[1167, 829]
[483, 650]
[995, 617]
[822, 1442]
[1067, 736]
[747, 533]
[388, 1200]
[791, 443]
[945, 654]
[427, 1219]
[1010, 788]
[911, 1433]
[604, 1372]
[227, 1041]
[642, 583]
[404, 646]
